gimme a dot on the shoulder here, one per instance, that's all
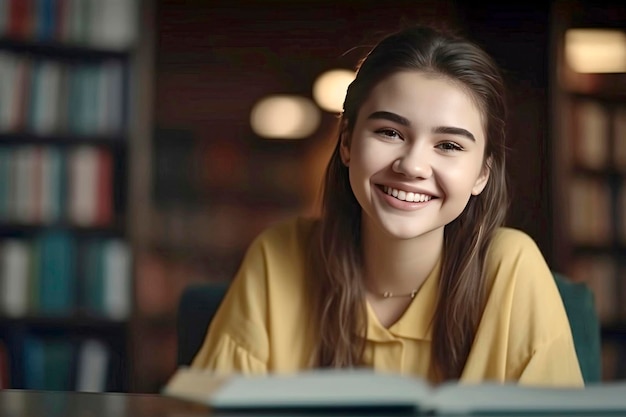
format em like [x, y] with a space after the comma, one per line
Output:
[280, 251]
[292, 233]
[517, 271]
[514, 250]
[512, 243]
[515, 261]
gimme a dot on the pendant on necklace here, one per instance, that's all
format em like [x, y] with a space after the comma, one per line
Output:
[389, 294]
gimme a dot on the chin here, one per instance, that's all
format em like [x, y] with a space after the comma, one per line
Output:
[407, 232]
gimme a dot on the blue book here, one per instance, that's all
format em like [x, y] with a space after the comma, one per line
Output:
[46, 19]
[34, 363]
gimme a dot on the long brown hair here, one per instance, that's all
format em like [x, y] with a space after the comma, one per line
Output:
[336, 262]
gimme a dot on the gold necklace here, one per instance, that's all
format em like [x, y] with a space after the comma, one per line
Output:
[389, 294]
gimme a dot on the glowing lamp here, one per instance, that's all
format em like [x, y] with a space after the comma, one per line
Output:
[329, 89]
[284, 117]
[595, 50]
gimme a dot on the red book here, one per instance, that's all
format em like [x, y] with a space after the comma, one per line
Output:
[104, 207]
[20, 19]
[5, 381]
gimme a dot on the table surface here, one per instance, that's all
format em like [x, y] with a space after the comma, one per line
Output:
[22, 403]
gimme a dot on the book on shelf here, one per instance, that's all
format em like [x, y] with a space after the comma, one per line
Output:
[45, 184]
[591, 134]
[109, 24]
[5, 380]
[14, 277]
[619, 138]
[365, 389]
[590, 211]
[58, 274]
[55, 363]
[48, 363]
[51, 96]
[93, 364]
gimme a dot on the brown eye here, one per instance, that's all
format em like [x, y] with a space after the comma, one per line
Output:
[449, 147]
[389, 133]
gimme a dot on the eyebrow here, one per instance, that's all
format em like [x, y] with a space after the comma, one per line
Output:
[459, 131]
[396, 118]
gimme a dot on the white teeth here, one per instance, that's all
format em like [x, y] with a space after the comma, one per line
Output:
[407, 195]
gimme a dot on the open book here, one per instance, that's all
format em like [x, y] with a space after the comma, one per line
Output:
[366, 389]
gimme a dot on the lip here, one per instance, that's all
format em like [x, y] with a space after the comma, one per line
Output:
[402, 205]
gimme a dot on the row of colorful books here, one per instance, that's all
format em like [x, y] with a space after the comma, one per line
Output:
[57, 274]
[597, 211]
[60, 364]
[47, 185]
[49, 97]
[590, 213]
[107, 24]
[597, 133]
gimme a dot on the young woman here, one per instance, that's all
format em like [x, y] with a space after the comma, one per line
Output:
[409, 268]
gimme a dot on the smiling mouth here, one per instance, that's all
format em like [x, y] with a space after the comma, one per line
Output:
[407, 195]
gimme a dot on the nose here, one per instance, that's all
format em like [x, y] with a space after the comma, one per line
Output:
[414, 163]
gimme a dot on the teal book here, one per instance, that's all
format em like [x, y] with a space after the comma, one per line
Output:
[58, 365]
[57, 274]
[34, 363]
[93, 278]
[48, 363]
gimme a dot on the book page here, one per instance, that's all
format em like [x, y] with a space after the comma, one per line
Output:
[311, 389]
[489, 398]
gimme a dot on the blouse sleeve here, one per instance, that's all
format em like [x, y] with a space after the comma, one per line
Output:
[540, 334]
[554, 364]
[227, 356]
[526, 335]
[237, 338]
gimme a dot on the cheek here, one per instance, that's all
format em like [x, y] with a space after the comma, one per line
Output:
[460, 178]
[369, 159]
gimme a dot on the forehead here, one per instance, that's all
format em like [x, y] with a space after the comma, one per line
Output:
[426, 99]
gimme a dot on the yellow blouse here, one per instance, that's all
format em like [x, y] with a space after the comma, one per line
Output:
[263, 323]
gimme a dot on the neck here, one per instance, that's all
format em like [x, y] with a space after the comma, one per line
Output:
[399, 266]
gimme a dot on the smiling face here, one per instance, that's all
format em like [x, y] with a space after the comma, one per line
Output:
[415, 155]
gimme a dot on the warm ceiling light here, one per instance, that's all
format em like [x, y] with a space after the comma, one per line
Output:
[284, 117]
[329, 89]
[595, 50]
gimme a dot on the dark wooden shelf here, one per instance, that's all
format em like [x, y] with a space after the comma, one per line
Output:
[76, 321]
[611, 96]
[617, 250]
[615, 331]
[21, 138]
[610, 173]
[60, 50]
[160, 321]
[25, 230]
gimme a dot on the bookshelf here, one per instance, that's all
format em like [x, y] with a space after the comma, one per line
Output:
[589, 176]
[65, 255]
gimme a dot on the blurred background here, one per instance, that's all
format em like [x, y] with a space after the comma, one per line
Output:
[134, 157]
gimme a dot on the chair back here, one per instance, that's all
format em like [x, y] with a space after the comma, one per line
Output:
[196, 308]
[583, 319]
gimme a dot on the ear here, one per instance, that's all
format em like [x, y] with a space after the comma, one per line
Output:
[481, 181]
[344, 146]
